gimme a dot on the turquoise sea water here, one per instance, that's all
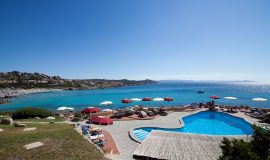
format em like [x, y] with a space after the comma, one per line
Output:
[207, 122]
[183, 93]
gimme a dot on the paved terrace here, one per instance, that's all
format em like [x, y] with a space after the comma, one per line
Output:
[126, 146]
[180, 146]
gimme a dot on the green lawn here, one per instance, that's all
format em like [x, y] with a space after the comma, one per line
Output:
[61, 141]
[39, 120]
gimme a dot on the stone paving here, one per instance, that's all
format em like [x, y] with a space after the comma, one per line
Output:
[119, 130]
[33, 145]
[126, 146]
[29, 129]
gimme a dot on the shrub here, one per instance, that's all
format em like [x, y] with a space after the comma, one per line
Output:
[257, 149]
[31, 113]
[266, 118]
[77, 114]
[52, 122]
[237, 150]
[76, 119]
[260, 143]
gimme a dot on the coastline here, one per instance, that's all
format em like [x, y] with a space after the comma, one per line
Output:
[17, 92]
[4, 92]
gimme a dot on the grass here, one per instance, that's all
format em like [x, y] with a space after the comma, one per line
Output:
[61, 141]
[40, 120]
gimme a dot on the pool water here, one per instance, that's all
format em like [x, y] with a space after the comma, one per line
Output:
[206, 122]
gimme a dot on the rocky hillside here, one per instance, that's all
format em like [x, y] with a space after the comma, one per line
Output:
[25, 80]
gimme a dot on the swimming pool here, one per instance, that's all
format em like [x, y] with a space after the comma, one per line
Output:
[206, 122]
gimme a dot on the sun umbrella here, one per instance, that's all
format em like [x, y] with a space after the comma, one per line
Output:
[70, 108]
[90, 110]
[105, 121]
[168, 99]
[62, 108]
[259, 99]
[214, 97]
[146, 99]
[101, 121]
[107, 110]
[158, 99]
[105, 103]
[230, 98]
[90, 107]
[136, 99]
[126, 101]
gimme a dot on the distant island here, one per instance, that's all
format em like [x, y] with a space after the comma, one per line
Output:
[15, 82]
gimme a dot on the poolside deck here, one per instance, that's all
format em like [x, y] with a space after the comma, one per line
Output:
[180, 146]
[126, 146]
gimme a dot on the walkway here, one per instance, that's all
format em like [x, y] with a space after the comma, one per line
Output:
[126, 146]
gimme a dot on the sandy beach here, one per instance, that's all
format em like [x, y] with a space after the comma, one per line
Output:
[16, 92]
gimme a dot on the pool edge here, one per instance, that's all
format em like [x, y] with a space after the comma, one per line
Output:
[182, 124]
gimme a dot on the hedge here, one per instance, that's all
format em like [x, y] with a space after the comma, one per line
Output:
[31, 113]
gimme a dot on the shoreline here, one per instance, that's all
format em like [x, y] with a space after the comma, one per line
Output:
[10, 93]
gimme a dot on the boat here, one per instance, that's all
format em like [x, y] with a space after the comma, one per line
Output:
[200, 91]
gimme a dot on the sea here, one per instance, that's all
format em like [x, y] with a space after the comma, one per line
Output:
[183, 92]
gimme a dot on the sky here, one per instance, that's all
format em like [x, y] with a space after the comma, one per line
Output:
[137, 39]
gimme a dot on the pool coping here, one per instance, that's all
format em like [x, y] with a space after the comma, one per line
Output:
[182, 124]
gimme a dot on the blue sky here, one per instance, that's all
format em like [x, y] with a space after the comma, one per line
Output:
[137, 39]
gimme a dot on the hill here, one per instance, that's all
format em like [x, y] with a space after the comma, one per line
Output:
[16, 79]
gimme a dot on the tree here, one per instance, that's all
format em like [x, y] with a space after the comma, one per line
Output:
[237, 150]
[261, 142]
[257, 149]
[266, 118]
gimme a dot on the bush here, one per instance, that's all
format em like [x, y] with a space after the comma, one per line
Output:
[76, 119]
[31, 113]
[52, 122]
[237, 150]
[266, 119]
[77, 114]
[257, 149]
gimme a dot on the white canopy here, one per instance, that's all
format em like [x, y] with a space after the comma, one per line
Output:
[158, 99]
[107, 110]
[231, 98]
[62, 108]
[105, 103]
[136, 99]
[259, 99]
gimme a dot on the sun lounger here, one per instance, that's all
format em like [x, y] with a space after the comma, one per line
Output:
[142, 114]
[85, 129]
[96, 136]
[257, 115]
[101, 143]
[232, 111]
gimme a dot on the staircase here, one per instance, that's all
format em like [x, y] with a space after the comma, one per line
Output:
[141, 134]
